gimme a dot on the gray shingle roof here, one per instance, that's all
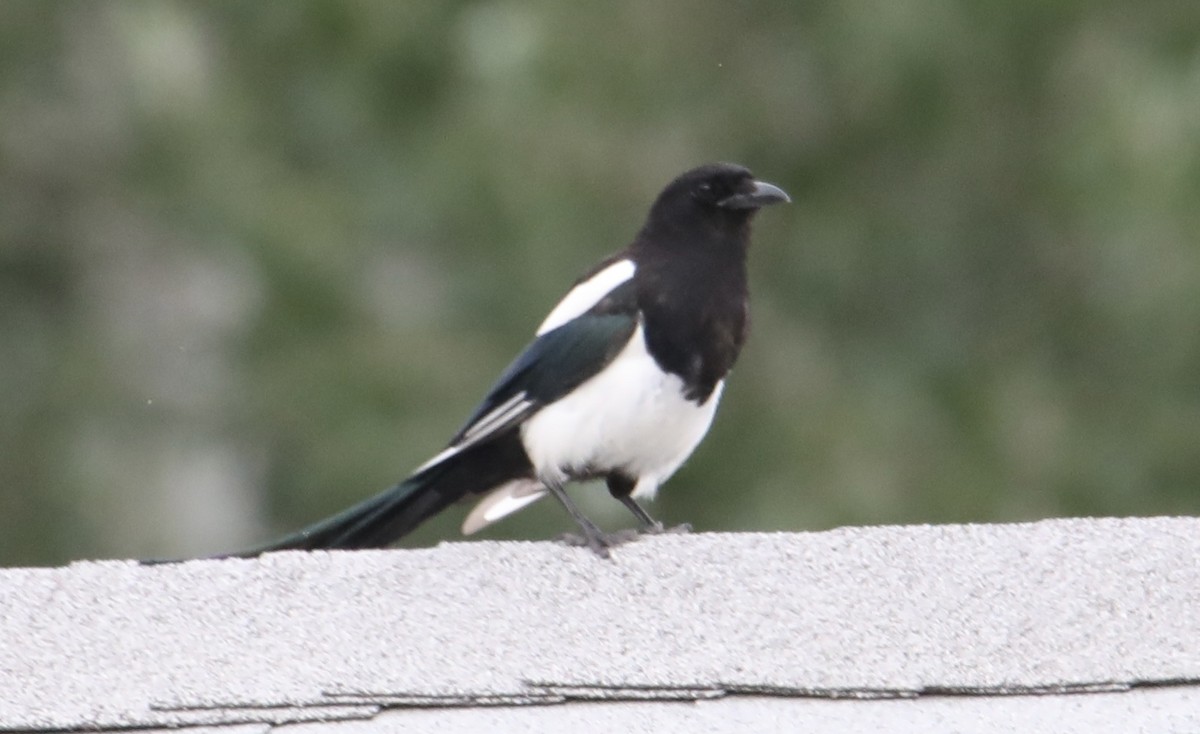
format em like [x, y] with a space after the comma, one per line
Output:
[946, 617]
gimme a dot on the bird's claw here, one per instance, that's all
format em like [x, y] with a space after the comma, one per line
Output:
[658, 529]
[600, 543]
[597, 543]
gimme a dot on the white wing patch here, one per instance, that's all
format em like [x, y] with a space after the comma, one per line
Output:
[442, 456]
[497, 419]
[587, 294]
[501, 502]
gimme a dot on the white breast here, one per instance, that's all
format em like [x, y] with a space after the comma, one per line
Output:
[631, 416]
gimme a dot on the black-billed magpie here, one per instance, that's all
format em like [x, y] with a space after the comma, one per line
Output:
[620, 383]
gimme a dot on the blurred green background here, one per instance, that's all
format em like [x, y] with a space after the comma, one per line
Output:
[258, 260]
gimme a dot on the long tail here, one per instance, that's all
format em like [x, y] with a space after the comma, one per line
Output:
[372, 523]
[390, 515]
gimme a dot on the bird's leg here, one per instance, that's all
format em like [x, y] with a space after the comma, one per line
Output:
[593, 537]
[621, 487]
[649, 524]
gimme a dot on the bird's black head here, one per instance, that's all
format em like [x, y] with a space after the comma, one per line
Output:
[715, 193]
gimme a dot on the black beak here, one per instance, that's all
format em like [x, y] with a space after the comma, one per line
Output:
[762, 194]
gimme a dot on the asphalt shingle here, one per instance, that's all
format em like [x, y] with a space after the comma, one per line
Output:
[1055, 606]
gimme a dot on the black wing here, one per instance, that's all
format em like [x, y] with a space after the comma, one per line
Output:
[554, 364]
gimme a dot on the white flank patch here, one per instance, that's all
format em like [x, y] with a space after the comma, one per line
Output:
[501, 502]
[631, 416]
[587, 294]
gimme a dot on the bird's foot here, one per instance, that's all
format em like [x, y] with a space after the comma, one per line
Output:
[600, 542]
[596, 543]
[658, 529]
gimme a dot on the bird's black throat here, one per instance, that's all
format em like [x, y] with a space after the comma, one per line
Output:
[692, 292]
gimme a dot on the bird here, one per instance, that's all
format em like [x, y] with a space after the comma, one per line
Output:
[620, 382]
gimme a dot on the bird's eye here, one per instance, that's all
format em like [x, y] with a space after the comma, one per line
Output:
[706, 193]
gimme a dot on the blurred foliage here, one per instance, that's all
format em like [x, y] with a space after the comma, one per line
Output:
[257, 260]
